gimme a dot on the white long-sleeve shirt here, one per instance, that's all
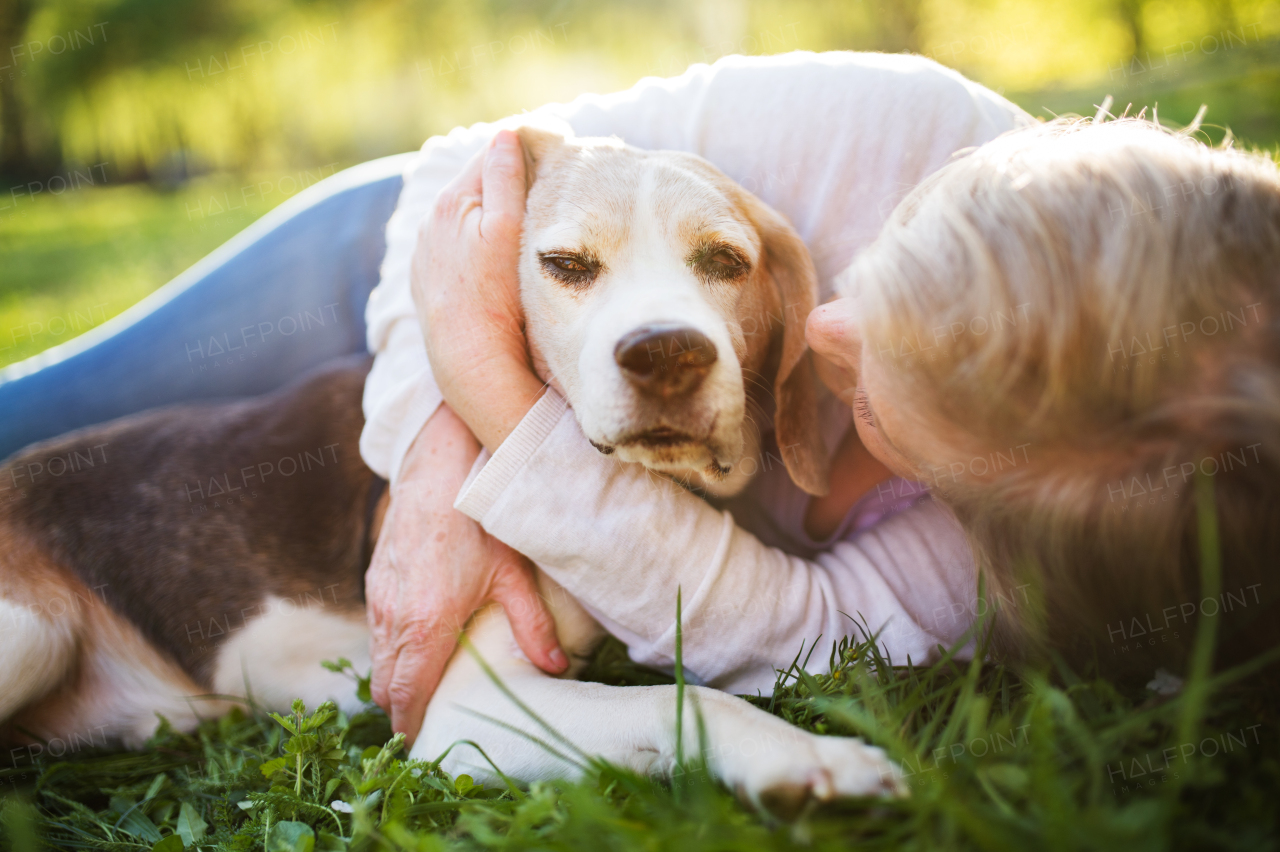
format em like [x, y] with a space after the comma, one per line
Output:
[832, 141]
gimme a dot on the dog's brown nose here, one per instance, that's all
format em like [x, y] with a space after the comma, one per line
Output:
[665, 360]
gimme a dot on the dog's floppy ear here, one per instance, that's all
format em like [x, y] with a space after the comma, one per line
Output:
[541, 146]
[795, 388]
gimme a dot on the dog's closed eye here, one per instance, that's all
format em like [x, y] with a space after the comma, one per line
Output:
[716, 261]
[575, 269]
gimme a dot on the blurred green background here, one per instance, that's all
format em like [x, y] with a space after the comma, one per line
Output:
[137, 135]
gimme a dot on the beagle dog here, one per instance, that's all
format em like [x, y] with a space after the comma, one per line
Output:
[172, 562]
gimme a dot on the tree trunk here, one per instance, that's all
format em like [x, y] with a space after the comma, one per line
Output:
[900, 26]
[1224, 14]
[15, 159]
[1131, 16]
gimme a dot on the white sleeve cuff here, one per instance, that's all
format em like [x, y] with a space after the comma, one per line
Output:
[491, 475]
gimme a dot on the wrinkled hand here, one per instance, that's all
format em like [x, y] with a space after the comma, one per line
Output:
[432, 569]
[466, 287]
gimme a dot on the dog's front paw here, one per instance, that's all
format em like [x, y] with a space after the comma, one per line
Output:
[810, 767]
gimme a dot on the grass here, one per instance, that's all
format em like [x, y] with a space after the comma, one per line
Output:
[994, 760]
[74, 260]
[1241, 87]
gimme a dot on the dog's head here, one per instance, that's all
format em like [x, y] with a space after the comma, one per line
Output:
[668, 304]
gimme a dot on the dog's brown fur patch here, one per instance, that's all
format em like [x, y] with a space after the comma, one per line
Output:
[186, 519]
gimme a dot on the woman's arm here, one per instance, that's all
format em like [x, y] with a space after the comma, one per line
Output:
[432, 568]
[622, 540]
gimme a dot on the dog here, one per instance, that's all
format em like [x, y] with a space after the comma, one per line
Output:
[176, 561]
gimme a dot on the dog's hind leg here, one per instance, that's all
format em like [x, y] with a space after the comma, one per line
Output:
[73, 669]
[41, 620]
[37, 650]
[116, 688]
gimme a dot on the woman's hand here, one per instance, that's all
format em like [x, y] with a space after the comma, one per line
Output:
[466, 287]
[432, 569]
[433, 566]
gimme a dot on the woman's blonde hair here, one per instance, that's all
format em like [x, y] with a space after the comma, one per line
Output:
[1086, 312]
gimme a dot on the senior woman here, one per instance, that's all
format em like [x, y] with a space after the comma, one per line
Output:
[1119, 501]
